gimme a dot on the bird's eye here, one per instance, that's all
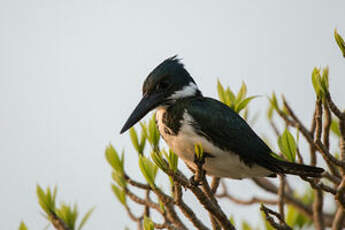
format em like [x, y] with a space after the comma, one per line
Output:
[162, 85]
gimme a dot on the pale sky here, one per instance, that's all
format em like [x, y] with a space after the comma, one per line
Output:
[71, 72]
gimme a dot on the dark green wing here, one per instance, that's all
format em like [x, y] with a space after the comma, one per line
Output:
[228, 131]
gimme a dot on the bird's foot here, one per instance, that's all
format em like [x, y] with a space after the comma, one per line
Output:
[196, 180]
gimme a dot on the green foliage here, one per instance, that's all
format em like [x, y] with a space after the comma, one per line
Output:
[151, 132]
[340, 42]
[148, 224]
[66, 213]
[270, 111]
[113, 158]
[139, 146]
[287, 145]
[159, 160]
[85, 218]
[148, 169]
[267, 225]
[120, 194]
[22, 226]
[236, 102]
[117, 163]
[199, 151]
[232, 220]
[246, 225]
[320, 82]
[46, 199]
[335, 127]
[172, 160]
[296, 219]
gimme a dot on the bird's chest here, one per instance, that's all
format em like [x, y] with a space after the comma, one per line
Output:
[176, 131]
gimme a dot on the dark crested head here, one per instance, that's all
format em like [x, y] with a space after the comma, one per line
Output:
[168, 82]
[170, 76]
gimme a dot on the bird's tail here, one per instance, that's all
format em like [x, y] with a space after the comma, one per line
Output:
[299, 169]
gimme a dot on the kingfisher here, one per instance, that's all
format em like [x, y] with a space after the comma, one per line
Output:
[185, 118]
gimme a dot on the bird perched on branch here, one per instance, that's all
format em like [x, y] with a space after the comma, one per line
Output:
[186, 118]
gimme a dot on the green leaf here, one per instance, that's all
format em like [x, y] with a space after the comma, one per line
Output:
[229, 97]
[232, 220]
[119, 179]
[173, 160]
[324, 80]
[316, 80]
[85, 218]
[120, 194]
[266, 223]
[148, 224]
[22, 226]
[243, 104]
[245, 225]
[276, 155]
[270, 111]
[340, 42]
[274, 101]
[199, 151]
[68, 214]
[114, 160]
[295, 219]
[148, 169]
[46, 199]
[151, 133]
[142, 142]
[241, 93]
[161, 206]
[221, 93]
[287, 145]
[134, 138]
[159, 161]
[335, 128]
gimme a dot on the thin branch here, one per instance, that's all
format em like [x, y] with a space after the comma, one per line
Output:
[299, 205]
[281, 195]
[186, 210]
[319, 185]
[57, 222]
[203, 199]
[253, 200]
[339, 196]
[318, 202]
[268, 212]
[317, 144]
[334, 108]
[339, 218]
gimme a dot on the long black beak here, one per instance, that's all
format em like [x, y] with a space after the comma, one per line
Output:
[146, 104]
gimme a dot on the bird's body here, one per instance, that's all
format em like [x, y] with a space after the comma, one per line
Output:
[181, 138]
[186, 118]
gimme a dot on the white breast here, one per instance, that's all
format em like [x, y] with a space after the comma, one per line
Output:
[222, 164]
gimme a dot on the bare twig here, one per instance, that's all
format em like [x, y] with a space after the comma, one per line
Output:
[303, 208]
[268, 212]
[254, 200]
[186, 210]
[281, 195]
[57, 222]
[203, 199]
[339, 218]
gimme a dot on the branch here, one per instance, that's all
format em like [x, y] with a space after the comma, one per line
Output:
[186, 210]
[268, 212]
[57, 222]
[203, 199]
[304, 209]
[253, 200]
[281, 195]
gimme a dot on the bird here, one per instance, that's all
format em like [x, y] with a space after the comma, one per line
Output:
[186, 118]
